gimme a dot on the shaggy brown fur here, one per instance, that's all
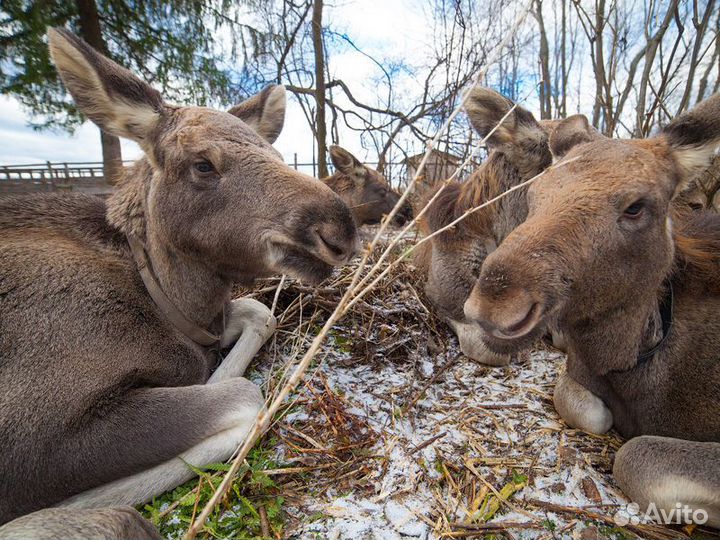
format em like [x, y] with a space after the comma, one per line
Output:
[122, 523]
[518, 151]
[603, 243]
[697, 244]
[99, 392]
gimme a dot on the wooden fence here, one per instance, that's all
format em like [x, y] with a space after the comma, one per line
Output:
[89, 177]
[80, 176]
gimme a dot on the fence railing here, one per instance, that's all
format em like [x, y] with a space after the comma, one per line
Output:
[50, 176]
[49, 172]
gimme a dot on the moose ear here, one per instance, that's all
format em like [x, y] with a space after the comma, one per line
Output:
[486, 108]
[264, 112]
[343, 160]
[570, 132]
[110, 95]
[694, 137]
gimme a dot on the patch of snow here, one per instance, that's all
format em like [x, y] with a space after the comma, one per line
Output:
[500, 421]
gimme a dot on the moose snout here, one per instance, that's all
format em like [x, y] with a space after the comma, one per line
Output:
[330, 226]
[314, 237]
[336, 243]
[503, 303]
[511, 316]
[404, 215]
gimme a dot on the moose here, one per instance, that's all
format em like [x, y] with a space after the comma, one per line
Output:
[519, 149]
[364, 190]
[704, 192]
[632, 280]
[111, 314]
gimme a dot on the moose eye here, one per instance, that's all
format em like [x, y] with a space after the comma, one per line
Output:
[204, 167]
[635, 210]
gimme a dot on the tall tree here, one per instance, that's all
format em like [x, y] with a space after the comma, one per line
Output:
[177, 45]
[544, 60]
[319, 49]
[89, 22]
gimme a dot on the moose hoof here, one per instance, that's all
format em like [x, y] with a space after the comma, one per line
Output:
[579, 407]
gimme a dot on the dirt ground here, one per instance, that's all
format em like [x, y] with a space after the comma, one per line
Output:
[444, 436]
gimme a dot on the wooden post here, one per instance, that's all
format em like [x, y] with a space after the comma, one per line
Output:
[67, 173]
[49, 179]
[313, 161]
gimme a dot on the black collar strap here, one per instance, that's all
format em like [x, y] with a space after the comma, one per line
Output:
[191, 330]
[666, 316]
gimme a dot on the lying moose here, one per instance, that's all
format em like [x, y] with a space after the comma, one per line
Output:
[518, 149]
[365, 191]
[632, 280]
[110, 314]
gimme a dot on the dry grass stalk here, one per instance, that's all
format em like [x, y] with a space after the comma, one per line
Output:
[264, 419]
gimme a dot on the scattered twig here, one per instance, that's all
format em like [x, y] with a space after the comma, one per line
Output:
[432, 381]
[264, 523]
[427, 443]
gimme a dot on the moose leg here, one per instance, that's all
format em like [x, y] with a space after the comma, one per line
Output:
[579, 407]
[91, 524]
[150, 436]
[251, 324]
[672, 474]
[471, 344]
[557, 339]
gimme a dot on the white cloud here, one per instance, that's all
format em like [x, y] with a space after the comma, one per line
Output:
[382, 28]
[21, 144]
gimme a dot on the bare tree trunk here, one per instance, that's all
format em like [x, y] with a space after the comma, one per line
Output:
[700, 25]
[319, 88]
[91, 32]
[563, 62]
[653, 42]
[112, 157]
[599, 62]
[544, 54]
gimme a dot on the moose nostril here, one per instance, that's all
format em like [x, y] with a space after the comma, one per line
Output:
[515, 313]
[336, 246]
[333, 247]
[403, 215]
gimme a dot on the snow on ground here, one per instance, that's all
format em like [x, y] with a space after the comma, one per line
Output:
[396, 435]
[432, 436]
[497, 420]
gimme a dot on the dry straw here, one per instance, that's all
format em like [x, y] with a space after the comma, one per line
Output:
[359, 286]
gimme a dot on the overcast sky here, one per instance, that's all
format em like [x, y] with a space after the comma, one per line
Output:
[382, 28]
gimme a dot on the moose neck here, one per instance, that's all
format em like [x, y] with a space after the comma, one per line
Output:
[497, 175]
[615, 342]
[195, 289]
